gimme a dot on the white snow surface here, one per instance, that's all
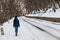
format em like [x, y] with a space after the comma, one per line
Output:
[48, 13]
[26, 31]
[50, 27]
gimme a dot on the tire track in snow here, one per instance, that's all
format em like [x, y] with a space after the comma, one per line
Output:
[41, 29]
[32, 37]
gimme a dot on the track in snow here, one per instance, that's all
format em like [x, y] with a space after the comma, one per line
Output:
[26, 32]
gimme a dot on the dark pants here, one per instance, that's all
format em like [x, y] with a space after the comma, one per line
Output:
[16, 29]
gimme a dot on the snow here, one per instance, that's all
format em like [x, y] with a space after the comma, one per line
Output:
[29, 32]
[48, 26]
[26, 32]
[53, 28]
[32, 14]
[49, 13]
[52, 14]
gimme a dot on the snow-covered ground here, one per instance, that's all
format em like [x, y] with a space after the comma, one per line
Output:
[26, 32]
[48, 13]
[51, 13]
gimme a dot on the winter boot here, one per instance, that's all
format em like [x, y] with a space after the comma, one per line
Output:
[16, 34]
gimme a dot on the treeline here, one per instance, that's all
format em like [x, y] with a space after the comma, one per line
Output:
[37, 5]
[9, 9]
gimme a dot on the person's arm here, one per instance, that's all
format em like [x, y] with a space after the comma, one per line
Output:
[13, 22]
[19, 23]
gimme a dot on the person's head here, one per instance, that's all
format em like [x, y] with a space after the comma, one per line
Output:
[15, 17]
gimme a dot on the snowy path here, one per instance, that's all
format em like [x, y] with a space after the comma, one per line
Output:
[26, 32]
[52, 29]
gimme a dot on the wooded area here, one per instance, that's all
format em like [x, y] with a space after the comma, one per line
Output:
[37, 5]
[11, 8]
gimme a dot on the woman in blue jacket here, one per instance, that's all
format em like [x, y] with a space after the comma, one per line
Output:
[16, 25]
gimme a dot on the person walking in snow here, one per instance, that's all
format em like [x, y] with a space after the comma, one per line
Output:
[16, 25]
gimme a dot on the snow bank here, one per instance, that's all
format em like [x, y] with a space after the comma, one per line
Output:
[48, 13]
